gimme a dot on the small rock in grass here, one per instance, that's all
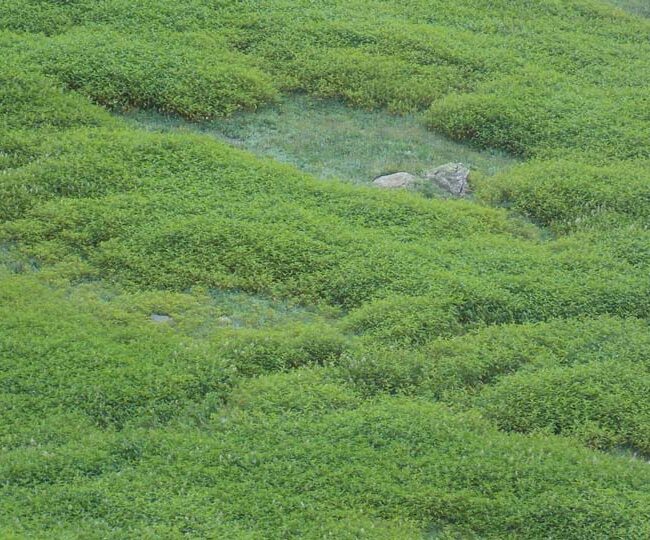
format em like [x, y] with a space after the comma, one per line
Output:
[395, 180]
[452, 177]
[224, 321]
[160, 318]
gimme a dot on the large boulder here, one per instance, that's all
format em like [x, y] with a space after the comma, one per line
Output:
[452, 177]
[395, 180]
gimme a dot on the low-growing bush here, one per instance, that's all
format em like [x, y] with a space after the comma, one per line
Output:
[254, 352]
[133, 404]
[404, 321]
[193, 75]
[565, 194]
[299, 391]
[110, 369]
[602, 404]
[451, 368]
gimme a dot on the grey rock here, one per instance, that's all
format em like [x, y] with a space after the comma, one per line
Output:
[160, 318]
[452, 177]
[395, 181]
[224, 320]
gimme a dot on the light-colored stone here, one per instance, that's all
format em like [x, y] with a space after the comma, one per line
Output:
[452, 177]
[160, 318]
[395, 181]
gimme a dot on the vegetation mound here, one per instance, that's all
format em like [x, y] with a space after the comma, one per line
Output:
[198, 342]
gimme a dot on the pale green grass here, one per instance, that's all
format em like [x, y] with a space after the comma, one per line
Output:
[198, 313]
[330, 140]
[639, 7]
[242, 309]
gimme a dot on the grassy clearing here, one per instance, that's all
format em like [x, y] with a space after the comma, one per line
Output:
[639, 7]
[340, 361]
[327, 139]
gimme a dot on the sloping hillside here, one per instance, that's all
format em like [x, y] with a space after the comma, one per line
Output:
[201, 342]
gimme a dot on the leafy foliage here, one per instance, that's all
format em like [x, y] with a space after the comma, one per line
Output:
[201, 343]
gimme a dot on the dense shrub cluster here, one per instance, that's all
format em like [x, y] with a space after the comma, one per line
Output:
[323, 360]
[601, 403]
[566, 193]
[453, 367]
[192, 75]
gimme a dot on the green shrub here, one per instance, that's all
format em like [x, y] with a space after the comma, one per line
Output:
[115, 426]
[374, 370]
[372, 80]
[255, 352]
[452, 368]
[565, 193]
[193, 75]
[405, 320]
[299, 391]
[603, 404]
[110, 369]
[31, 101]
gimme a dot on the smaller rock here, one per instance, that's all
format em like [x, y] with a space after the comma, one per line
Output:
[224, 321]
[160, 318]
[452, 177]
[395, 181]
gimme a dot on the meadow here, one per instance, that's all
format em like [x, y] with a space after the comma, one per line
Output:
[349, 145]
[201, 339]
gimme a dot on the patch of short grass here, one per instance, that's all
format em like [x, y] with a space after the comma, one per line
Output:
[638, 7]
[330, 140]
